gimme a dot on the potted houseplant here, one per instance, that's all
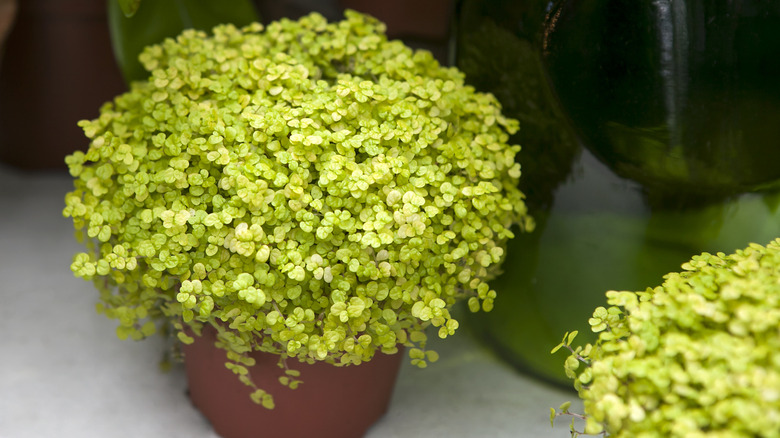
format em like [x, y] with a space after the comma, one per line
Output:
[696, 356]
[306, 189]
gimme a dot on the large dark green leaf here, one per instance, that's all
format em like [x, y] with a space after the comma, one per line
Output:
[154, 20]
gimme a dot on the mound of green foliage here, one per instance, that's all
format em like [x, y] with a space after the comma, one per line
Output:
[309, 189]
[698, 356]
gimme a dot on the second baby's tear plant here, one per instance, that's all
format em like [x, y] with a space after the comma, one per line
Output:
[698, 356]
[308, 189]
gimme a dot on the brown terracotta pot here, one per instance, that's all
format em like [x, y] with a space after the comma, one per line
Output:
[57, 68]
[337, 402]
[420, 24]
[7, 15]
[425, 20]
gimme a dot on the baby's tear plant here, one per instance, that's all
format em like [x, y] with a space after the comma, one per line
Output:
[698, 356]
[307, 189]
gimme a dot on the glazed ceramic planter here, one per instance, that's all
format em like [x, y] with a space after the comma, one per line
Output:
[338, 402]
[652, 144]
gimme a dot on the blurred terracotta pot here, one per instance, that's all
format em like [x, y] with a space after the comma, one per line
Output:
[420, 24]
[427, 20]
[7, 15]
[338, 402]
[57, 68]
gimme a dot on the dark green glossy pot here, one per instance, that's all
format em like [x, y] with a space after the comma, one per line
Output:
[650, 133]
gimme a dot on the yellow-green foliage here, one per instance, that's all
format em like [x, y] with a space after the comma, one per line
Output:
[310, 189]
[698, 356]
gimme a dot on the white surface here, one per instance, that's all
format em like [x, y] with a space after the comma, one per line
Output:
[63, 372]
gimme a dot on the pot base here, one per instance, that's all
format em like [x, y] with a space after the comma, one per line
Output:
[338, 402]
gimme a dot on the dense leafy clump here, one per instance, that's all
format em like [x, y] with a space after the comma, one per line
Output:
[309, 189]
[698, 356]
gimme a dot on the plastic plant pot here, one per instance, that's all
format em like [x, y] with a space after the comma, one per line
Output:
[332, 401]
